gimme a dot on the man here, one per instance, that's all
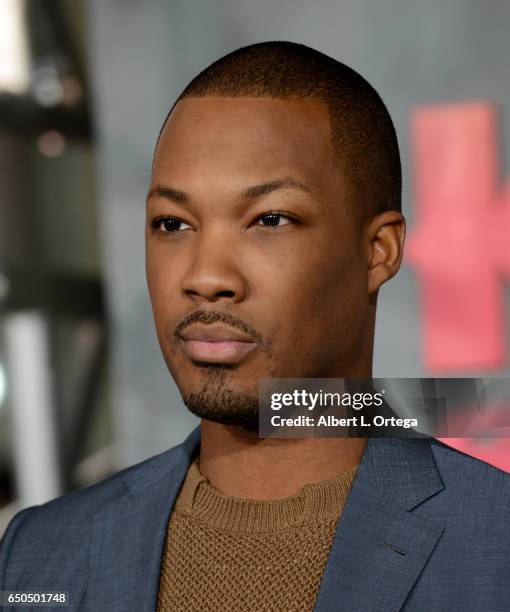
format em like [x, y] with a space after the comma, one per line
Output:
[273, 218]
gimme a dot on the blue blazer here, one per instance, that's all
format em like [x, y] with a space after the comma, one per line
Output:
[425, 528]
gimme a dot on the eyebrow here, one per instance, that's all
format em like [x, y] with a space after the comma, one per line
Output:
[260, 190]
[168, 193]
[256, 191]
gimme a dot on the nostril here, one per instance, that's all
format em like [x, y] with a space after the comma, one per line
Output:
[214, 285]
[211, 296]
[229, 294]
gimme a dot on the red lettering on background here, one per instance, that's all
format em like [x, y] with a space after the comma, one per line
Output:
[460, 246]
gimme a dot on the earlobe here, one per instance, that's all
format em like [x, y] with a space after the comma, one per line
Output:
[386, 236]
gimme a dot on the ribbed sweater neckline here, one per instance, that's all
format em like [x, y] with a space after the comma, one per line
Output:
[315, 502]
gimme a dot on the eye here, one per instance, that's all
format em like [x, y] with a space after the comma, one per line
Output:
[169, 225]
[274, 219]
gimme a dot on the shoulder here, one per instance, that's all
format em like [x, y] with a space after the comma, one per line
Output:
[472, 487]
[459, 469]
[65, 522]
[88, 500]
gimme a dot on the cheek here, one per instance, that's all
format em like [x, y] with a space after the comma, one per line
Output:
[317, 304]
[340, 301]
[163, 287]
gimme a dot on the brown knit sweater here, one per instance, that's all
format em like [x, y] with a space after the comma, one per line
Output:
[230, 554]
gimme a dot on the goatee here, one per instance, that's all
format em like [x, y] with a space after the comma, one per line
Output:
[217, 402]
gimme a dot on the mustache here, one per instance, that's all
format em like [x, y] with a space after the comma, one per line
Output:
[216, 316]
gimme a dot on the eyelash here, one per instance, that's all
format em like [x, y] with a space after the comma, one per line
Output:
[156, 223]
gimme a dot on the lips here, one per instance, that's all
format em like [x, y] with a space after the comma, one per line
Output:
[216, 343]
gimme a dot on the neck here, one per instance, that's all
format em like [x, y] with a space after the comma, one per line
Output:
[239, 463]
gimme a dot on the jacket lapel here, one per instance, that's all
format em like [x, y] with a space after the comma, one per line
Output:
[379, 549]
[128, 536]
[380, 546]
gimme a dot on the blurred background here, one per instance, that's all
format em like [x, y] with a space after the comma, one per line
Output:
[84, 88]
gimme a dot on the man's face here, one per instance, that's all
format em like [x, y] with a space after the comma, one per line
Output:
[256, 265]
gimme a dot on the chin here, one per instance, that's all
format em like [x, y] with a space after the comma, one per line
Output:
[217, 399]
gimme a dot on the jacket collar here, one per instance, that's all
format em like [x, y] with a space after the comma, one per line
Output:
[379, 548]
[405, 468]
[128, 536]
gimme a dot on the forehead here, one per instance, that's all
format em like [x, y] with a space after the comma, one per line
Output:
[246, 139]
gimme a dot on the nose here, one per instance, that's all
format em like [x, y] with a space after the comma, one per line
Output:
[214, 274]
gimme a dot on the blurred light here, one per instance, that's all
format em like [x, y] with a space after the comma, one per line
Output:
[72, 90]
[3, 385]
[51, 144]
[14, 61]
[46, 86]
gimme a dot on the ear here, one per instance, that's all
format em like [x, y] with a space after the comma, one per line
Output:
[386, 235]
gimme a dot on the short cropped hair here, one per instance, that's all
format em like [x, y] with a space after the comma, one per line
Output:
[362, 132]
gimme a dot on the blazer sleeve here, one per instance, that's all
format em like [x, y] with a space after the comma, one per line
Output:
[7, 541]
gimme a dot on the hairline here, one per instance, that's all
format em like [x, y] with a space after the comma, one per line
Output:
[336, 154]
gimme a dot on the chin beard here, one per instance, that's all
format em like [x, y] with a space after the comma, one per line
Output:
[217, 402]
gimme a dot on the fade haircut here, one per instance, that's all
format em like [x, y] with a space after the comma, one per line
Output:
[362, 132]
